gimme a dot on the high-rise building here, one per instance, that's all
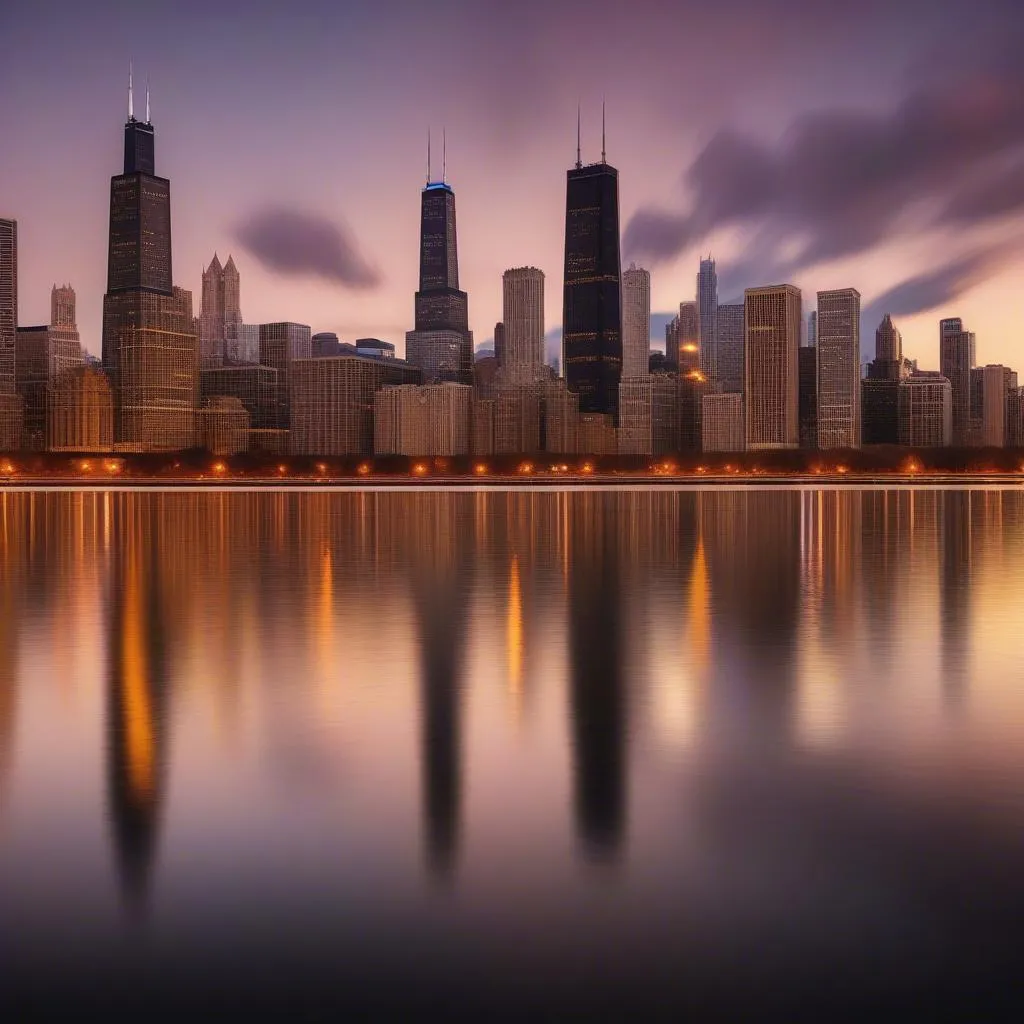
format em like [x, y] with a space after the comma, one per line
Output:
[729, 343]
[838, 345]
[991, 387]
[223, 338]
[636, 321]
[888, 342]
[597, 434]
[80, 412]
[332, 401]
[956, 360]
[925, 410]
[325, 344]
[42, 355]
[682, 340]
[807, 402]
[499, 341]
[771, 366]
[812, 328]
[648, 414]
[441, 343]
[522, 349]
[150, 349]
[707, 306]
[8, 303]
[592, 311]
[253, 385]
[879, 409]
[1015, 419]
[224, 425]
[432, 420]
[721, 428]
[280, 344]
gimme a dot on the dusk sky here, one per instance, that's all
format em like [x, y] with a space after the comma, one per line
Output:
[878, 145]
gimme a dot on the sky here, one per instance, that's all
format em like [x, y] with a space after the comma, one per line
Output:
[876, 145]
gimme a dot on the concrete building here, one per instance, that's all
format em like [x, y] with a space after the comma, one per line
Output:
[253, 385]
[888, 342]
[1015, 419]
[839, 392]
[374, 348]
[880, 410]
[729, 343]
[482, 416]
[991, 387]
[956, 360]
[8, 303]
[41, 355]
[692, 389]
[648, 414]
[560, 418]
[332, 402]
[707, 310]
[430, 420]
[224, 426]
[925, 410]
[280, 345]
[80, 412]
[682, 340]
[636, 321]
[807, 402]
[597, 434]
[11, 407]
[772, 318]
[722, 423]
[324, 344]
[522, 349]
[223, 338]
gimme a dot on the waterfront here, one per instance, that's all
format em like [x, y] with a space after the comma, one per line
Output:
[547, 751]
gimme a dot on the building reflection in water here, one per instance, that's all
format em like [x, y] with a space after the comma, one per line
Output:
[597, 708]
[954, 599]
[136, 692]
[440, 533]
[12, 531]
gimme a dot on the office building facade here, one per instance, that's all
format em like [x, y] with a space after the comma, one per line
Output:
[648, 414]
[722, 422]
[707, 309]
[807, 401]
[636, 321]
[772, 320]
[431, 420]
[956, 360]
[592, 296]
[925, 410]
[80, 412]
[8, 303]
[839, 391]
[729, 344]
[280, 345]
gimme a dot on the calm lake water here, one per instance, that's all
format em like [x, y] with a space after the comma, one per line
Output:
[541, 754]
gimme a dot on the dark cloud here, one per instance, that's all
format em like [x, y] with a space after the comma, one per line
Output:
[936, 287]
[994, 195]
[292, 242]
[839, 182]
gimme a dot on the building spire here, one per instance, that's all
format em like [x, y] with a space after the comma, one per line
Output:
[131, 109]
[444, 155]
[603, 158]
[147, 101]
[428, 156]
[579, 160]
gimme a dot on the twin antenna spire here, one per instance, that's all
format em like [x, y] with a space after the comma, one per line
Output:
[131, 105]
[579, 156]
[444, 156]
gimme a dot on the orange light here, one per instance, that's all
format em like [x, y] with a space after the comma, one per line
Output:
[689, 347]
[912, 466]
[842, 469]
[321, 467]
[85, 466]
[419, 469]
[525, 467]
[112, 465]
[8, 467]
[218, 467]
[282, 468]
[364, 468]
[702, 469]
[696, 375]
[480, 469]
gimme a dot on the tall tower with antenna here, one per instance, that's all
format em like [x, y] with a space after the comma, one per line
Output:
[592, 296]
[440, 343]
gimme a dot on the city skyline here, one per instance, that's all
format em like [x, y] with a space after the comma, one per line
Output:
[519, 155]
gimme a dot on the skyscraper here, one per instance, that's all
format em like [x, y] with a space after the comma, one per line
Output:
[682, 340]
[223, 338]
[150, 349]
[636, 321]
[729, 343]
[956, 360]
[8, 302]
[838, 344]
[812, 328]
[522, 349]
[707, 305]
[440, 344]
[591, 310]
[771, 354]
[888, 342]
[280, 345]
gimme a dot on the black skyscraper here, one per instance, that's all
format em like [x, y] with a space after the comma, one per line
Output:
[150, 350]
[592, 313]
[441, 343]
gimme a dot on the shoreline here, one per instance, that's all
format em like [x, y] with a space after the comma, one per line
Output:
[614, 482]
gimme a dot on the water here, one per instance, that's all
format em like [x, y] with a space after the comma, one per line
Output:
[738, 753]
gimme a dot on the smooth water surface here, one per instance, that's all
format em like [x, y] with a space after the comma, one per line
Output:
[751, 752]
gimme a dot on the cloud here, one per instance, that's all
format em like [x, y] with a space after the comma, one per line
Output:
[994, 195]
[292, 242]
[840, 182]
[936, 287]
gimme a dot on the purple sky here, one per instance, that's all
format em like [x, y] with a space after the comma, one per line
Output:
[879, 145]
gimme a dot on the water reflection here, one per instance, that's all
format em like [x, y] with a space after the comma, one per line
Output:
[752, 704]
